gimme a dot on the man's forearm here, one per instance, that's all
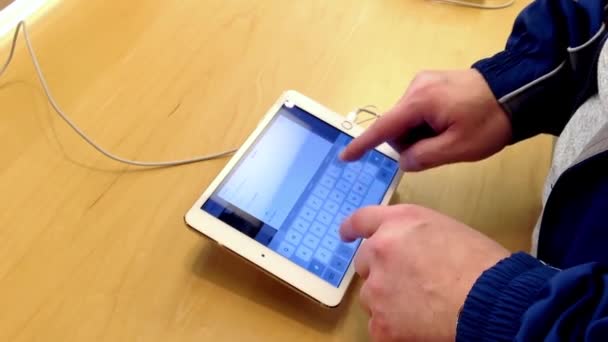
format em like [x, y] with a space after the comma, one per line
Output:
[548, 67]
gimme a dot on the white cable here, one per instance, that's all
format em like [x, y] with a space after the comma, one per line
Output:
[467, 3]
[366, 109]
[22, 26]
[59, 111]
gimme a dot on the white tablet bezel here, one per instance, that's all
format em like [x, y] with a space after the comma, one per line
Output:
[255, 252]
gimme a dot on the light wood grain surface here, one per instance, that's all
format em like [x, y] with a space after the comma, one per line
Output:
[91, 250]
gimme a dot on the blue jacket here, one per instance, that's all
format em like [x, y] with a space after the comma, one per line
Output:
[547, 70]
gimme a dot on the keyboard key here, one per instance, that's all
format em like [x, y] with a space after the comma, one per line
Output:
[371, 169]
[304, 253]
[343, 186]
[331, 276]
[338, 263]
[366, 178]
[327, 181]
[331, 206]
[316, 267]
[376, 193]
[389, 164]
[360, 189]
[375, 158]
[314, 202]
[286, 249]
[385, 175]
[334, 171]
[334, 231]
[355, 166]
[347, 209]
[354, 199]
[300, 225]
[337, 195]
[307, 214]
[311, 241]
[331, 243]
[337, 161]
[345, 250]
[293, 237]
[364, 158]
[323, 255]
[349, 175]
[339, 218]
[325, 217]
[318, 229]
[321, 191]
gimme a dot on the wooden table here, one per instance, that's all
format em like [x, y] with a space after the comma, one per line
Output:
[92, 250]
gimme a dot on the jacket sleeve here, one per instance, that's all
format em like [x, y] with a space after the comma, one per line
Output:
[522, 299]
[548, 67]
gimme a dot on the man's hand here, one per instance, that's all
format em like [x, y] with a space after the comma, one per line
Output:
[458, 105]
[418, 267]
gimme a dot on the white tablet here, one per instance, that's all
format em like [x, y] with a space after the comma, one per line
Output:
[280, 200]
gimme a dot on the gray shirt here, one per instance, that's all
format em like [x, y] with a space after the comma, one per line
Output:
[585, 135]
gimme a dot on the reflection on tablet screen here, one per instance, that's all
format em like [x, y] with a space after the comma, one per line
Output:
[290, 192]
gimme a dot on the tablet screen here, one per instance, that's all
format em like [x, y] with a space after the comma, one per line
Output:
[290, 192]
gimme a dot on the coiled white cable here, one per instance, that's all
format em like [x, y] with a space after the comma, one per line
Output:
[58, 110]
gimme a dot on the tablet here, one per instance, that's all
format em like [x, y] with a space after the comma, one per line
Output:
[281, 198]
